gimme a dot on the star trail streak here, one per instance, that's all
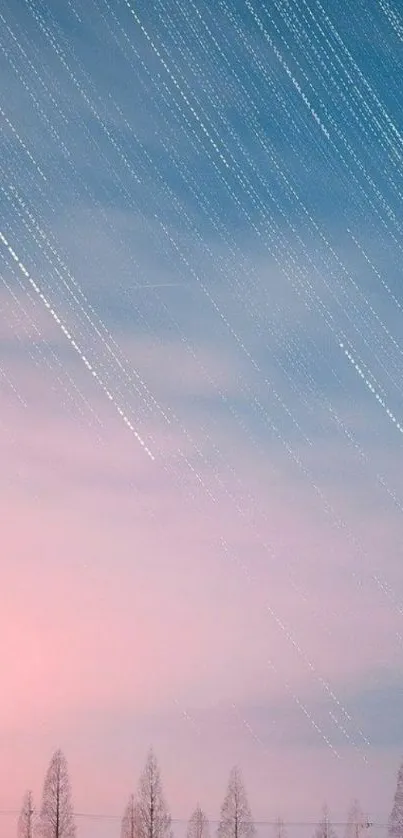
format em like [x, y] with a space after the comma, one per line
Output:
[201, 243]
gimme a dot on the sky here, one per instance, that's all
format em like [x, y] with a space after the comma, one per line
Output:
[201, 422]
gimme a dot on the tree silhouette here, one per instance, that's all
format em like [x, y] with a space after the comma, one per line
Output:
[26, 818]
[324, 828]
[198, 825]
[151, 816]
[236, 818]
[128, 829]
[357, 821]
[395, 828]
[56, 816]
[279, 829]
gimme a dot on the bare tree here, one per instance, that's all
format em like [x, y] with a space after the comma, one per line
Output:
[56, 818]
[151, 816]
[129, 820]
[236, 818]
[279, 829]
[198, 825]
[357, 821]
[26, 818]
[324, 828]
[395, 828]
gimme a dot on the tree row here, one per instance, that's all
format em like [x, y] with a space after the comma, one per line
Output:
[147, 815]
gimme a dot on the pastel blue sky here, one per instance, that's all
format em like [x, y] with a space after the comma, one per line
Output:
[200, 384]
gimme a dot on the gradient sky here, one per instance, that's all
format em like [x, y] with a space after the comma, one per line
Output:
[201, 363]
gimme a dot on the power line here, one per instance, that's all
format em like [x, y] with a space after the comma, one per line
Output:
[102, 816]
